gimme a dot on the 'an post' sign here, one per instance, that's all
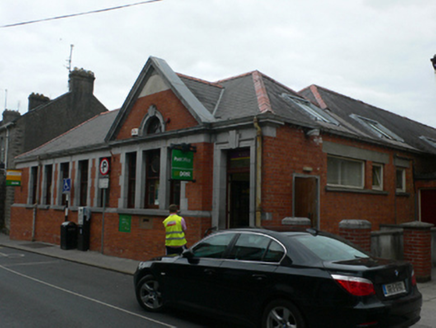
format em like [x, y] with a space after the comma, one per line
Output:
[13, 178]
[182, 165]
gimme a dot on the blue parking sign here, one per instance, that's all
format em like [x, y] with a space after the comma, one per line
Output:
[66, 185]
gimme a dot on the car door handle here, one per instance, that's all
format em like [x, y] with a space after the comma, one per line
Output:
[209, 271]
[258, 277]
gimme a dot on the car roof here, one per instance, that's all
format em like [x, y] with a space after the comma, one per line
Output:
[279, 234]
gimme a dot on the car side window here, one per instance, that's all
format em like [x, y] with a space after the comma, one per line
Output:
[255, 247]
[214, 246]
[274, 253]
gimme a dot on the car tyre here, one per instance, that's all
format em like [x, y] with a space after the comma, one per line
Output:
[280, 314]
[149, 295]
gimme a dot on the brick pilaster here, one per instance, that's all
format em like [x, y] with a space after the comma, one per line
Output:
[356, 231]
[417, 248]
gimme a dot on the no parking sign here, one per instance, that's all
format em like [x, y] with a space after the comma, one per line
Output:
[104, 166]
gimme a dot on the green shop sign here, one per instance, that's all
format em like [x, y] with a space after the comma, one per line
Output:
[182, 164]
[125, 223]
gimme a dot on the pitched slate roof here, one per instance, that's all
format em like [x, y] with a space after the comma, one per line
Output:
[86, 136]
[245, 96]
[346, 108]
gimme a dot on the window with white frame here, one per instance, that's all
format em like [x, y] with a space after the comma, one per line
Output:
[131, 179]
[83, 182]
[33, 199]
[342, 172]
[401, 180]
[152, 178]
[48, 177]
[64, 174]
[377, 176]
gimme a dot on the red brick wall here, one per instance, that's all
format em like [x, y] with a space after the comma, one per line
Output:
[199, 193]
[21, 229]
[167, 104]
[291, 150]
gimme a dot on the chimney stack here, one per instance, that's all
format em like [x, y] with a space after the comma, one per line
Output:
[10, 116]
[36, 99]
[81, 81]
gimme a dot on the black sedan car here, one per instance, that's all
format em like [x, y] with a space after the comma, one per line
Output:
[269, 279]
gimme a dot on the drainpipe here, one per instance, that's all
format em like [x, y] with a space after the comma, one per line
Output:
[258, 172]
[35, 206]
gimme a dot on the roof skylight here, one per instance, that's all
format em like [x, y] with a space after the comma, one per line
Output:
[377, 128]
[430, 141]
[315, 113]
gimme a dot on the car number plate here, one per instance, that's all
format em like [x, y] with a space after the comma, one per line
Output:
[394, 288]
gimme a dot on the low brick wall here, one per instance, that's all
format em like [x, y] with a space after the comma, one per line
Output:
[356, 231]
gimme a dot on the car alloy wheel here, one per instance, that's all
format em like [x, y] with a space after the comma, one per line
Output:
[282, 314]
[148, 294]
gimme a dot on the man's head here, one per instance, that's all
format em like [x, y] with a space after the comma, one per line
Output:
[173, 208]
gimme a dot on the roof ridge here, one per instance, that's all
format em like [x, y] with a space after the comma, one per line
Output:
[280, 84]
[215, 84]
[261, 93]
[236, 77]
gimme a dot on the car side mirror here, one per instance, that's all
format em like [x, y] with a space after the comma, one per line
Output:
[189, 254]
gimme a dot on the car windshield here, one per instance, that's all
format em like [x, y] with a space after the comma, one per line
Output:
[329, 249]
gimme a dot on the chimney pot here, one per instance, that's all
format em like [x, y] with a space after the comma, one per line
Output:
[10, 115]
[81, 81]
[36, 99]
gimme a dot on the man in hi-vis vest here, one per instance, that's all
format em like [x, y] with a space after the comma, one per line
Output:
[175, 227]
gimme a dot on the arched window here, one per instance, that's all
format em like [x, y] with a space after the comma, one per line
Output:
[153, 126]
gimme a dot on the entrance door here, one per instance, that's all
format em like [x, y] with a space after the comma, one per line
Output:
[428, 205]
[238, 188]
[239, 200]
[306, 199]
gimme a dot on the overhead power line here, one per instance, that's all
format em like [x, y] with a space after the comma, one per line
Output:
[80, 14]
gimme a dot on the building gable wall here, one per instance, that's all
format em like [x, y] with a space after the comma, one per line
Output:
[175, 115]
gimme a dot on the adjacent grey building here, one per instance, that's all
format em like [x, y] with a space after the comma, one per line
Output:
[44, 120]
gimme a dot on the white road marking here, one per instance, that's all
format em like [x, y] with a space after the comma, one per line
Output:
[31, 263]
[13, 255]
[86, 297]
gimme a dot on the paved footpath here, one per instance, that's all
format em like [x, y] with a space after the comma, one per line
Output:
[428, 289]
[428, 311]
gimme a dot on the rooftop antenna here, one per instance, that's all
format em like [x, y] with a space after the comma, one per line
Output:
[6, 98]
[70, 59]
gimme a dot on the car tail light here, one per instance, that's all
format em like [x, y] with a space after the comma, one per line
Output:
[413, 278]
[354, 285]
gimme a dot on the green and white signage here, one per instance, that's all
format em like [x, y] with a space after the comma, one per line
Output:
[125, 223]
[182, 165]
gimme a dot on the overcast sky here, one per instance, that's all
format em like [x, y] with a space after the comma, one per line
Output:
[377, 51]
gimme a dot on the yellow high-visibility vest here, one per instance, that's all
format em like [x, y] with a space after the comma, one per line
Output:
[175, 237]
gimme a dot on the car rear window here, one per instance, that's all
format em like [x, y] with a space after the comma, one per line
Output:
[329, 249]
[256, 247]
